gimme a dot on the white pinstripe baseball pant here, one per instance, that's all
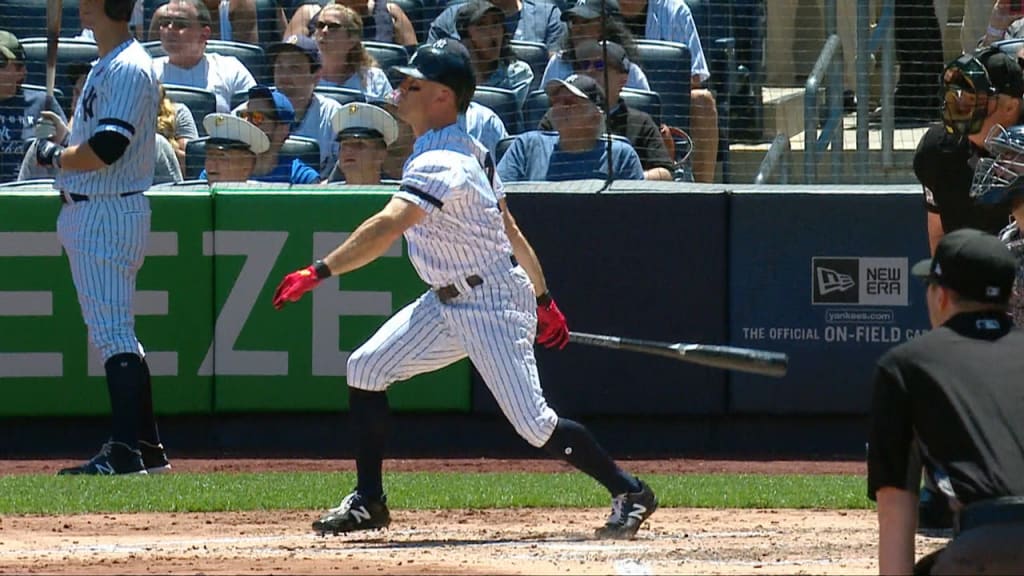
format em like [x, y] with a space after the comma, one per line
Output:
[494, 324]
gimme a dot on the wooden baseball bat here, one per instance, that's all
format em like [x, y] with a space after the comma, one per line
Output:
[54, 9]
[726, 357]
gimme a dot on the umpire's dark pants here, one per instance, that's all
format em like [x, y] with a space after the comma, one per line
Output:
[992, 549]
[919, 53]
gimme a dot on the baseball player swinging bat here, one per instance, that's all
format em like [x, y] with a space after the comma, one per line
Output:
[727, 357]
[54, 8]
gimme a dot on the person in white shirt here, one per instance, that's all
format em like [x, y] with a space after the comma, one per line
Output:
[296, 65]
[236, 20]
[184, 30]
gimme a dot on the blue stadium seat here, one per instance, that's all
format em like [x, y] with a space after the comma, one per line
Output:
[534, 108]
[504, 104]
[200, 102]
[388, 55]
[643, 100]
[667, 65]
[68, 51]
[502, 147]
[306, 149]
[249, 54]
[533, 53]
[25, 18]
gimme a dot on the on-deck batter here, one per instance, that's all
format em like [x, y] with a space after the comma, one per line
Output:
[104, 225]
[465, 244]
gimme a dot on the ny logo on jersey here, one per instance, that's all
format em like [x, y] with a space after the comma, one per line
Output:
[87, 102]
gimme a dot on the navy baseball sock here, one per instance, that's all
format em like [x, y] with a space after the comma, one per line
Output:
[370, 427]
[148, 431]
[124, 384]
[574, 444]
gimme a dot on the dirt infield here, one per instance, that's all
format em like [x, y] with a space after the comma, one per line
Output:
[517, 541]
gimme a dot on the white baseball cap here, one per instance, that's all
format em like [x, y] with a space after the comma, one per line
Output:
[360, 120]
[230, 131]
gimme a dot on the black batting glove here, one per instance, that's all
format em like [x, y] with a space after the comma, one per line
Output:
[48, 153]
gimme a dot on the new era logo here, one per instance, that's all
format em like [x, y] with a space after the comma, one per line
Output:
[830, 281]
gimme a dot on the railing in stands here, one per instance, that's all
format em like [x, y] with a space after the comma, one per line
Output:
[832, 132]
[881, 38]
[777, 158]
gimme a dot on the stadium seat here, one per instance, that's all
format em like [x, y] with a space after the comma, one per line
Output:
[649, 102]
[342, 95]
[249, 54]
[68, 51]
[306, 149]
[388, 55]
[57, 93]
[266, 18]
[504, 104]
[502, 147]
[414, 10]
[534, 108]
[667, 65]
[533, 53]
[25, 18]
[200, 102]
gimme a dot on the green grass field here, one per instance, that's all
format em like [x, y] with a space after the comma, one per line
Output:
[38, 494]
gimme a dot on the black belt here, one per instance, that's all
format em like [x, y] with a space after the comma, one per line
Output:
[450, 292]
[76, 198]
[1008, 510]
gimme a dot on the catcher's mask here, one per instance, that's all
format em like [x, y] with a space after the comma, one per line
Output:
[966, 92]
[999, 177]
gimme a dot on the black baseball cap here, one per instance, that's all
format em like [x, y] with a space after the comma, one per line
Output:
[473, 11]
[590, 9]
[975, 264]
[1004, 72]
[581, 86]
[445, 62]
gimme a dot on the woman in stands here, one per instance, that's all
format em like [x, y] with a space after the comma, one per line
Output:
[175, 123]
[584, 23]
[346, 63]
[384, 22]
[481, 26]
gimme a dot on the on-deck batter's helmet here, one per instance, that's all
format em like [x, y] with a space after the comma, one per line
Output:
[119, 9]
[1000, 177]
[445, 62]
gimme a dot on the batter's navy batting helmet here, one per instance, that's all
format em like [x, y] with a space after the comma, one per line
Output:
[1000, 177]
[445, 62]
[120, 10]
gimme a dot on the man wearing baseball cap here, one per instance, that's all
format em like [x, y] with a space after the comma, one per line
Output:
[364, 133]
[20, 110]
[575, 151]
[951, 400]
[272, 112]
[232, 148]
[296, 65]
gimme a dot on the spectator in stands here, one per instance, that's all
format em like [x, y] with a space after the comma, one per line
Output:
[53, 127]
[175, 123]
[346, 63]
[232, 148]
[527, 20]
[483, 124]
[386, 22]
[184, 30]
[19, 109]
[236, 20]
[481, 27]
[296, 66]
[272, 112]
[636, 126]
[671, 20]
[576, 151]
[1002, 25]
[167, 167]
[364, 133]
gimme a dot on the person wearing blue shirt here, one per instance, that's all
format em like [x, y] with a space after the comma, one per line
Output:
[19, 108]
[575, 151]
[483, 124]
[528, 20]
[272, 112]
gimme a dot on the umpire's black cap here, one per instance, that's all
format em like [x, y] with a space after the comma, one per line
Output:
[974, 263]
[445, 62]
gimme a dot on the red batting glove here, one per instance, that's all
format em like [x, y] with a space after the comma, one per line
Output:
[295, 285]
[552, 329]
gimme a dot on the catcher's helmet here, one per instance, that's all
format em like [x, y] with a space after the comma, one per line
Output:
[1000, 177]
[445, 62]
[119, 9]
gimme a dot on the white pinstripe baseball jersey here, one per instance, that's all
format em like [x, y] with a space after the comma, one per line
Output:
[120, 95]
[447, 176]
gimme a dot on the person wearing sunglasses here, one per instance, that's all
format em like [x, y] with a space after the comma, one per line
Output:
[271, 112]
[346, 62]
[575, 151]
[184, 28]
[383, 22]
[635, 125]
[979, 92]
[236, 20]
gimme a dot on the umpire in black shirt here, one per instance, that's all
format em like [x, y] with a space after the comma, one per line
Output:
[953, 400]
[979, 92]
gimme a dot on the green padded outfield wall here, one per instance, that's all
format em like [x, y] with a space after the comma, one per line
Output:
[257, 359]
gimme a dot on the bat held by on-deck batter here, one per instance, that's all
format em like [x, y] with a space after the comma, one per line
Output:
[727, 357]
[54, 9]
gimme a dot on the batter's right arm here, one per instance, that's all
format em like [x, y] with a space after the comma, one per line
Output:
[523, 251]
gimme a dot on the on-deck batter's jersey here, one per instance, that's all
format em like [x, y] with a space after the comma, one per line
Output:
[447, 175]
[120, 95]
